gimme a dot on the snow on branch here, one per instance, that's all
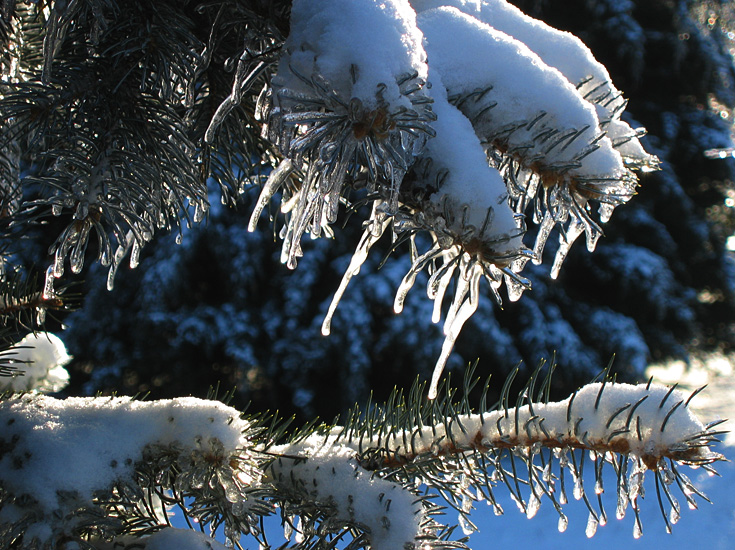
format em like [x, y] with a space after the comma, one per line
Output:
[359, 106]
[528, 450]
[97, 467]
[36, 362]
[98, 470]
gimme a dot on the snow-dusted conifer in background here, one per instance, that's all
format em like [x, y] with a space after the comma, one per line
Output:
[359, 98]
[38, 361]
[111, 472]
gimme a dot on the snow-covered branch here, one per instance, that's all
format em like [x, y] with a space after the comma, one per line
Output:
[97, 469]
[630, 428]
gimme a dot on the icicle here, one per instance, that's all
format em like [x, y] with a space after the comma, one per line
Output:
[436, 291]
[515, 285]
[120, 253]
[544, 231]
[299, 537]
[591, 526]
[464, 284]
[575, 229]
[467, 527]
[368, 239]
[48, 286]
[135, 254]
[275, 180]
[622, 503]
[637, 528]
[546, 475]
[674, 513]
[200, 211]
[410, 278]
[578, 491]
[465, 312]
[76, 258]
[232, 494]
[605, 210]
[592, 237]
[563, 523]
[534, 503]
[635, 482]
[288, 527]
[59, 263]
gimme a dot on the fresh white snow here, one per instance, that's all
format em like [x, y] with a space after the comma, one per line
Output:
[523, 88]
[379, 43]
[82, 445]
[472, 189]
[39, 360]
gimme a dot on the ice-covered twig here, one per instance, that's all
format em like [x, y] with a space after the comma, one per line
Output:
[341, 113]
[540, 131]
[531, 448]
[466, 140]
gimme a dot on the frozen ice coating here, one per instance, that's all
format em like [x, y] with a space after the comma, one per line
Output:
[470, 182]
[82, 445]
[379, 39]
[517, 87]
[368, 474]
[39, 361]
[524, 140]
[629, 429]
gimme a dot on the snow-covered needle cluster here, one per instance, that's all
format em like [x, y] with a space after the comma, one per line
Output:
[112, 472]
[465, 120]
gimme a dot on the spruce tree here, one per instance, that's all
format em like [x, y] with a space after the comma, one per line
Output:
[482, 157]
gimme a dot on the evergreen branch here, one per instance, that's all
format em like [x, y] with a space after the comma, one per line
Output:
[462, 454]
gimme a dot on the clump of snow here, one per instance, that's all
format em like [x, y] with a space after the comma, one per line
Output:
[83, 445]
[559, 49]
[566, 53]
[168, 538]
[520, 88]
[472, 188]
[644, 421]
[39, 360]
[180, 539]
[332, 477]
[378, 40]
[652, 421]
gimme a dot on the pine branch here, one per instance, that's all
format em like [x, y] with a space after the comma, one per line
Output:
[467, 456]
